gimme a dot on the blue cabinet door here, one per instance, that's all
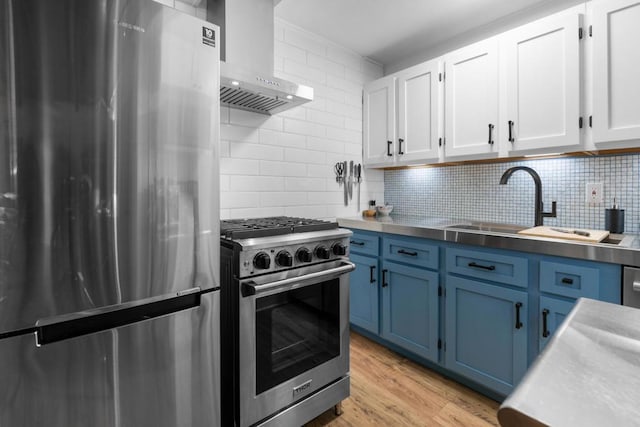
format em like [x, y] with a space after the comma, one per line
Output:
[552, 314]
[363, 293]
[410, 310]
[483, 341]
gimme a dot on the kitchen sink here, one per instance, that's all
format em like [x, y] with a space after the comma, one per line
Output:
[488, 226]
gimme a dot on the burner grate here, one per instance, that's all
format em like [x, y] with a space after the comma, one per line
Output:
[271, 226]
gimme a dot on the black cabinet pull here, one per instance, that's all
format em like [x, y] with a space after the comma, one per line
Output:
[400, 141]
[372, 269]
[567, 281]
[389, 153]
[403, 252]
[353, 242]
[518, 322]
[484, 267]
[491, 134]
[384, 279]
[511, 139]
[545, 329]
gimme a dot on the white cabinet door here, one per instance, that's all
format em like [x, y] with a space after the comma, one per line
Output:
[542, 82]
[418, 114]
[471, 87]
[379, 122]
[616, 71]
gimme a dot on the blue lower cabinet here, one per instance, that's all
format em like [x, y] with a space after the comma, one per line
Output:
[552, 314]
[363, 293]
[486, 333]
[410, 310]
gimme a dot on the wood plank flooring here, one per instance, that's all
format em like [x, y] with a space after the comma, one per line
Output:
[390, 390]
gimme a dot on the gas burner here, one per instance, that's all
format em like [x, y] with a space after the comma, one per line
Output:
[271, 226]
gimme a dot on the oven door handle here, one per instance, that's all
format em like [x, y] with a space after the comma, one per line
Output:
[250, 288]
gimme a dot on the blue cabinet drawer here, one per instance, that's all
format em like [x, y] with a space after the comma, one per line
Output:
[363, 243]
[569, 280]
[510, 270]
[410, 251]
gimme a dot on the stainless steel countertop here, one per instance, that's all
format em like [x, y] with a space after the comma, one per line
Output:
[588, 375]
[627, 252]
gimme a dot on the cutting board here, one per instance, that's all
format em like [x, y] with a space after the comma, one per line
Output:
[595, 236]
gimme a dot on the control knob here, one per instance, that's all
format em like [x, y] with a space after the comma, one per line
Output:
[339, 249]
[262, 261]
[322, 252]
[304, 255]
[284, 259]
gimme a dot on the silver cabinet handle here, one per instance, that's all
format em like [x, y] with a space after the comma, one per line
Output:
[636, 286]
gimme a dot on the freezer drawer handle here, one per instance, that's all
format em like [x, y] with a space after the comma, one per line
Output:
[59, 328]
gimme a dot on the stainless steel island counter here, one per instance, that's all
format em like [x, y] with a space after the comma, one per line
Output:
[618, 249]
[588, 375]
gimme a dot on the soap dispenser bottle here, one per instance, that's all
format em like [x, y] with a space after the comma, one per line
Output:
[614, 219]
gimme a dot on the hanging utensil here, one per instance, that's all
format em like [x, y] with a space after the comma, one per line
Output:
[346, 187]
[350, 179]
[358, 180]
[339, 169]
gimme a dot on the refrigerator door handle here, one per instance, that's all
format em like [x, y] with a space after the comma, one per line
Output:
[59, 328]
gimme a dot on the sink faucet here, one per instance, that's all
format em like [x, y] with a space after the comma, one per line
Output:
[540, 215]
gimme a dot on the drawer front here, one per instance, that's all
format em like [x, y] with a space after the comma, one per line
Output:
[510, 270]
[365, 244]
[569, 280]
[410, 251]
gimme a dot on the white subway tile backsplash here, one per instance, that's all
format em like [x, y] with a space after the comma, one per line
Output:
[293, 53]
[244, 150]
[231, 166]
[257, 183]
[238, 133]
[304, 184]
[281, 139]
[283, 164]
[296, 155]
[304, 40]
[325, 144]
[304, 127]
[270, 168]
[283, 198]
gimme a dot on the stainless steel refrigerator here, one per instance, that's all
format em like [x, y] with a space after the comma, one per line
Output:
[109, 215]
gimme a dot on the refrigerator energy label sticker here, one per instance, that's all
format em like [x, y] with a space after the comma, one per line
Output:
[208, 37]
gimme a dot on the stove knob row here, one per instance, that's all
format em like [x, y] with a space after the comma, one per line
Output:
[284, 259]
[262, 261]
[304, 255]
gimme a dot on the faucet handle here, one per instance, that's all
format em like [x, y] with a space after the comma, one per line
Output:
[551, 214]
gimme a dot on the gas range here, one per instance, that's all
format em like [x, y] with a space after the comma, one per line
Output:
[284, 319]
[267, 245]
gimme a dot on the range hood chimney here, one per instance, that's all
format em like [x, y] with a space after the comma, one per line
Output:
[246, 71]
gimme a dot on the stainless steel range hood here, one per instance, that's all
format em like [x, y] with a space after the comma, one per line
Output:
[246, 71]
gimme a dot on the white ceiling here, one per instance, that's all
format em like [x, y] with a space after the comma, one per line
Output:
[389, 31]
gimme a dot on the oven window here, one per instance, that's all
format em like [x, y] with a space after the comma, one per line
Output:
[296, 331]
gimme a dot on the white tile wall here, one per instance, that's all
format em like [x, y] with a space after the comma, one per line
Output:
[283, 164]
[297, 149]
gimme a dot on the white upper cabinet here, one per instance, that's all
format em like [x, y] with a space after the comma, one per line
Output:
[379, 122]
[471, 99]
[542, 84]
[616, 73]
[418, 98]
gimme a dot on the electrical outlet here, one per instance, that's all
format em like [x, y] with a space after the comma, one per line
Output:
[593, 195]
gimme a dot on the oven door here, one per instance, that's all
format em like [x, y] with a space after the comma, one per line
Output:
[293, 336]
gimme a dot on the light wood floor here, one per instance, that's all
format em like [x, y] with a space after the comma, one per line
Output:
[390, 390]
